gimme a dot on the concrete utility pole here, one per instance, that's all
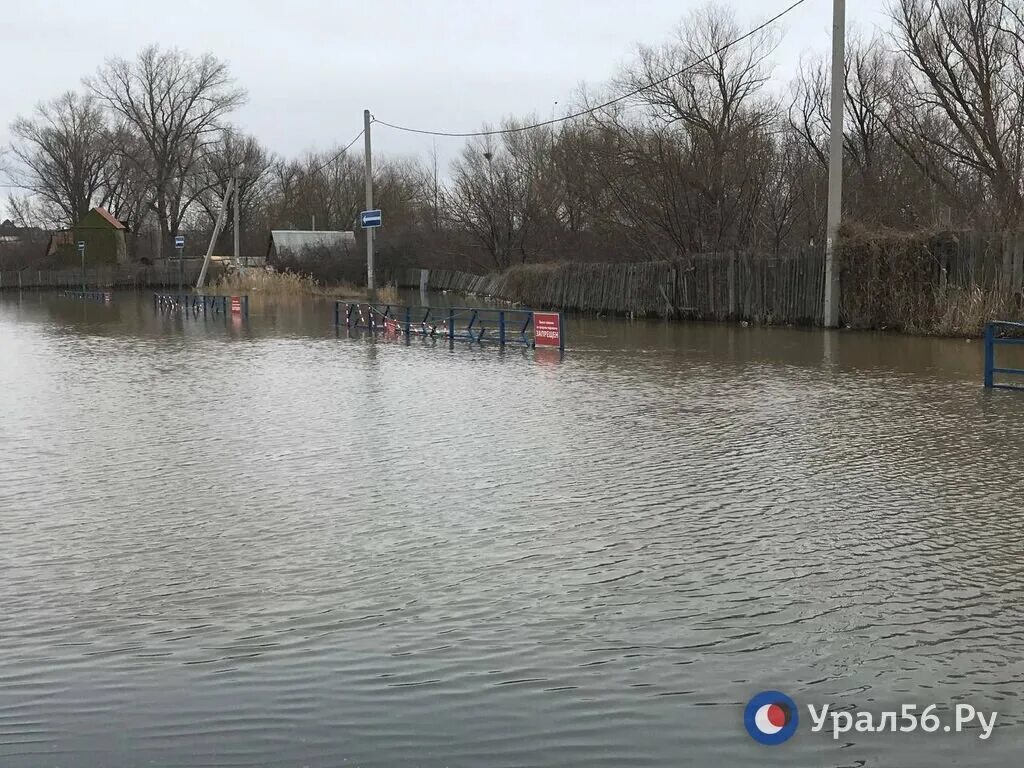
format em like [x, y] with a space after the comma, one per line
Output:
[222, 217]
[369, 199]
[237, 243]
[835, 165]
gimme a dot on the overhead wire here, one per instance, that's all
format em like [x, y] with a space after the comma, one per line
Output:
[610, 102]
[339, 153]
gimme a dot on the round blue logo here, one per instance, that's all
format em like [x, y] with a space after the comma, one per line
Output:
[771, 718]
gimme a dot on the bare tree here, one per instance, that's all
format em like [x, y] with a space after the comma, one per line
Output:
[126, 191]
[493, 194]
[61, 153]
[175, 103]
[964, 94]
[711, 94]
[234, 155]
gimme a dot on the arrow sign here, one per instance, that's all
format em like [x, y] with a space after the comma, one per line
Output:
[179, 241]
[370, 219]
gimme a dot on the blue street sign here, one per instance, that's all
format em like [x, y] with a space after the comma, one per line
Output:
[179, 241]
[370, 219]
[81, 246]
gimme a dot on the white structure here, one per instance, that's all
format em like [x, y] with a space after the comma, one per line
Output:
[294, 243]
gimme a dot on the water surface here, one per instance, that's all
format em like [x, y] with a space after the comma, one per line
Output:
[239, 543]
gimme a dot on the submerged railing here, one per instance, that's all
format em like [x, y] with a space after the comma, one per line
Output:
[474, 324]
[105, 296]
[197, 302]
[992, 340]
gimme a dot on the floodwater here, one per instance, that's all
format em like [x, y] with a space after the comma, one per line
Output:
[249, 543]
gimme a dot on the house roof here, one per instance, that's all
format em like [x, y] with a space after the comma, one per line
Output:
[295, 240]
[109, 218]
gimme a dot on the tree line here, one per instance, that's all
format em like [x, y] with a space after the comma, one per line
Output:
[716, 155]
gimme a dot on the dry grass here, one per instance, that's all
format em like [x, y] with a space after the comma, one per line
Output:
[964, 311]
[259, 282]
[388, 295]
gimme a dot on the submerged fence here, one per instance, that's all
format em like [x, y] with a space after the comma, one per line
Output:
[475, 324]
[105, 296]
[196, 303]
[127, 276]
[1001, 333]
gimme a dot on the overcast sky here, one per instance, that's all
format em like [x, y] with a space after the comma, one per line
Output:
[312, 67]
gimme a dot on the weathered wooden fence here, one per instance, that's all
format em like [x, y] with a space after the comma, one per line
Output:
[112, 276]
[764, 289]
[947, 283]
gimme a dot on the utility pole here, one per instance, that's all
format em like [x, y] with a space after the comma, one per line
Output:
[237, 215]
[222, 220]
[835, 165]
[81, 250]
[369, 200]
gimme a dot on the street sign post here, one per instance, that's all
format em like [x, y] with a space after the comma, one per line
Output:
[370, 219]
[179, 244]
[81, 252]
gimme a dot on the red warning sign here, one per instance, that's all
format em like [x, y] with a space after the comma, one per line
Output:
[547, 329]
[236, 305]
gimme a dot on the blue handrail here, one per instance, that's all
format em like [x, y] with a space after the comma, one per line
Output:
[197, 302]
[474, 324]
[991, 341]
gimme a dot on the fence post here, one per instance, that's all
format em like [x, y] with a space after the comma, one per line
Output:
[451, 325]
[408, 321]
[501, 328]
[989, 353]
[733, 310]
[561, 332]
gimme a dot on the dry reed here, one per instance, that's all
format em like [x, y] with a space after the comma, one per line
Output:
[283, 285]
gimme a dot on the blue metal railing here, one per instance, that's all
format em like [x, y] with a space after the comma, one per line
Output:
[196, 302]
[104, 296]
[992, 340]
[473, 324]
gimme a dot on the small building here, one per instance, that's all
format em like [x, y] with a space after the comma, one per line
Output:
[103, 235]
[20, 246]
[296, 246]
[12, 234]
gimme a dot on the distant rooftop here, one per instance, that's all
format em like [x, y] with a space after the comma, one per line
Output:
[109, 218]
[296, 240]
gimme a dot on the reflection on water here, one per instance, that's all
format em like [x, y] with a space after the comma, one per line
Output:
[259, 543]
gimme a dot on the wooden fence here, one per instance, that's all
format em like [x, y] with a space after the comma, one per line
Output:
[764, 289]
[112, 276]
[946, 283]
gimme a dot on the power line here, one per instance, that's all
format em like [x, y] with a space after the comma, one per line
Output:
[339, 153]
[617, 99]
